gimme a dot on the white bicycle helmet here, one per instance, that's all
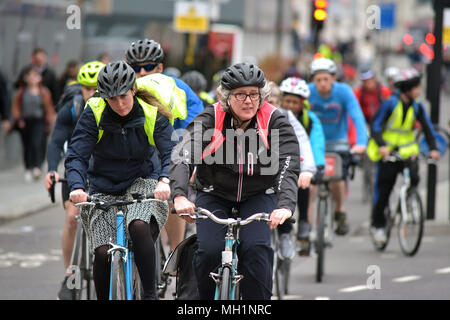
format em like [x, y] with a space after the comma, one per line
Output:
[295, 86]
[322, 65]
[407, 79]
[391, 72]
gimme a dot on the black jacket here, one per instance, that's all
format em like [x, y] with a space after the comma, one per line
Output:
[241, 166]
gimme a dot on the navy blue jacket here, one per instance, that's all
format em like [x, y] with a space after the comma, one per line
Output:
[67, 118]
[122, 155]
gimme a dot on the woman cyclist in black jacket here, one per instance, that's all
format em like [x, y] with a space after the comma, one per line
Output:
[247, 157]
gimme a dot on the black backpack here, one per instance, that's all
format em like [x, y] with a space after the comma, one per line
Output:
[180, 265]
[68, 95]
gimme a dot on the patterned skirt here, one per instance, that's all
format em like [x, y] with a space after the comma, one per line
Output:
[101, 225]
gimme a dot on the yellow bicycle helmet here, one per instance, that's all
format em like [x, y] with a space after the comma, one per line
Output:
[88, 73]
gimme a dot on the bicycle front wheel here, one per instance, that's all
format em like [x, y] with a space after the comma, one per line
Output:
[410, 227]
[118, 287]
[320, 238]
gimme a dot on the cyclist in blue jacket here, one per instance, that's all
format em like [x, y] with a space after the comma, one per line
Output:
[146, 57]
[67, 118]
[332, 102]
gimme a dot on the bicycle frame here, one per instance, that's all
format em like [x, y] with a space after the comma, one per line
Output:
[229, 255]
[229, 259]
[127, 256]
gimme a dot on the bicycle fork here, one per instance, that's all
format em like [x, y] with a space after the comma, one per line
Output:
[127, 256]
[229, 259]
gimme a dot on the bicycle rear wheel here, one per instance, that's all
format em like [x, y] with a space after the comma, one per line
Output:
[225, 284]
[320, 238]
[118, 286]
[410, 227]
[276, 275]
[138, 290]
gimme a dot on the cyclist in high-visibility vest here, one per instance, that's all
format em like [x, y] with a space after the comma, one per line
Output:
[68, 116]
[393, 130]
[111, 145]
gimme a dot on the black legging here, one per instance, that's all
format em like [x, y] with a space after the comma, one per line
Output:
[32, 136]
[302, 204]
[144, 254]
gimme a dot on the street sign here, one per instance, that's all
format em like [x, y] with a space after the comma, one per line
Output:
[192, 17]
[387, 15]
[446, 27]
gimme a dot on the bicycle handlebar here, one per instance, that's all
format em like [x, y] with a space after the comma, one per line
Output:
[201, 213]
[51, 191]
[105, 205]
[395, 157]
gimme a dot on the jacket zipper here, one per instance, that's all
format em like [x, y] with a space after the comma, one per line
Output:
[241, 173]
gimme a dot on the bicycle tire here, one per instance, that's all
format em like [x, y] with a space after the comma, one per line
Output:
[76, 261]
[118, 289]
[138, 290]
[415, 219]
[225, 284]
[162, 278]
[320, 239]
[284, 270]
[275, 276]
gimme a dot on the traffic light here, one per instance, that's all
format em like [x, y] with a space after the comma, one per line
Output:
[319, 15]
[320, 10]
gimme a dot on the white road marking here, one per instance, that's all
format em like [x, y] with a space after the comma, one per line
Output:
[356, 239]
[406, 279]
[287, 297]
[428, 239]
[322, 298]
[354, 289]
[443, 271]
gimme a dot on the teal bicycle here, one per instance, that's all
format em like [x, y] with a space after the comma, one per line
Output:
[125, 283]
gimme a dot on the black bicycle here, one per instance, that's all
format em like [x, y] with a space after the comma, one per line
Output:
[322, 231]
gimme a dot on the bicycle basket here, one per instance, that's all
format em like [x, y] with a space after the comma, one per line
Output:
[333, 167]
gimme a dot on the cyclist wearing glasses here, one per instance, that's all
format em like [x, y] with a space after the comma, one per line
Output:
[120, 129]
[393, 130]
[146, 57]
[247, 156]
[67, 118]
[333, 102]
[295, 95]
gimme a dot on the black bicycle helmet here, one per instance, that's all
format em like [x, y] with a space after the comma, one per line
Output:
[144, 51]
[115, 79]
[242, 75]
[195, 80]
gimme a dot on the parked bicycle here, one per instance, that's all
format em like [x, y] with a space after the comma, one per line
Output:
[407, 214]
[125, 283]
[227, 277]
